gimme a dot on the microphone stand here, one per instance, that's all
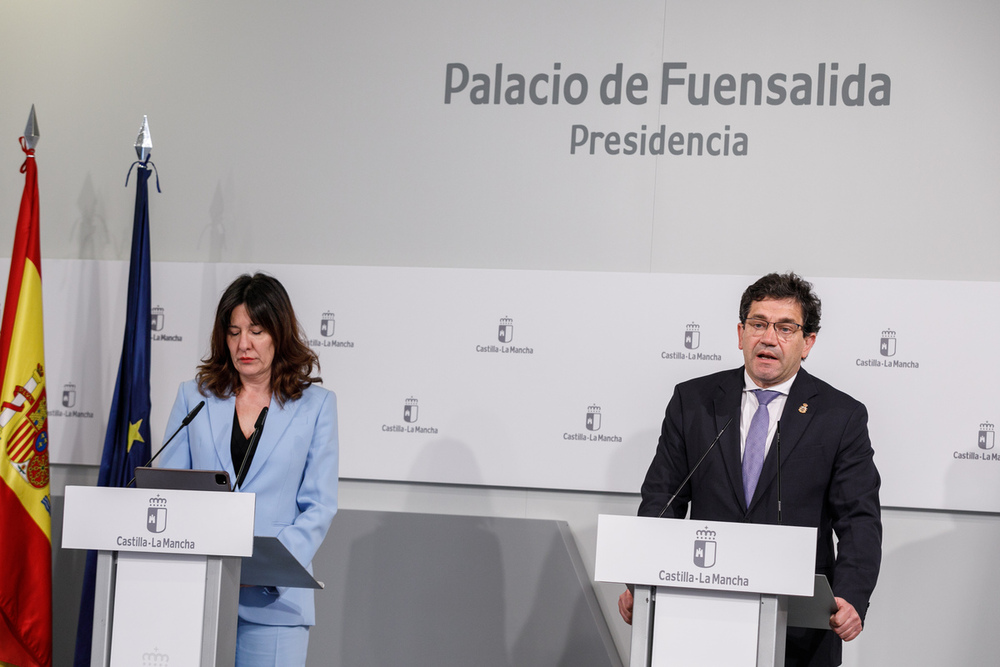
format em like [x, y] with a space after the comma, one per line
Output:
[187, 420]
[690, 474]
[251, 447]
[777, 448]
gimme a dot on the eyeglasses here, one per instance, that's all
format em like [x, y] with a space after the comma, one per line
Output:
[758, 328]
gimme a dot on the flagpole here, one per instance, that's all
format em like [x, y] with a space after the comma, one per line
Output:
[25, 503]
[127, 442]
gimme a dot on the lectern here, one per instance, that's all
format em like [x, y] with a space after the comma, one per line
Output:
[168, 571]
[707, 592]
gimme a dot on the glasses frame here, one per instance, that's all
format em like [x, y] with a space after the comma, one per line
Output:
[752, 331]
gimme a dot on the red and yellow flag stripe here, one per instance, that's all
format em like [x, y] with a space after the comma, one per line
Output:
[25, 506]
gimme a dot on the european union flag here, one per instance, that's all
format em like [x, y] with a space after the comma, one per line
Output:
[126, 444]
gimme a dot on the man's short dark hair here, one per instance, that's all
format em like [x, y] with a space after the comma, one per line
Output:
[785, 286]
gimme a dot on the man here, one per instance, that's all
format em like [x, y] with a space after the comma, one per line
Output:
[829, 479]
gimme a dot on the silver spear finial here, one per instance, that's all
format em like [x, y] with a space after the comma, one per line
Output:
[144, 142]
[31, 130]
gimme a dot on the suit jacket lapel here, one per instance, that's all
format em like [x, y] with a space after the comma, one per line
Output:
[727, 405]
[794, 421]
[278, 419]
[220, 414]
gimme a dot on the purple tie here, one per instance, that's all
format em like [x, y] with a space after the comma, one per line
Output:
[753, 453]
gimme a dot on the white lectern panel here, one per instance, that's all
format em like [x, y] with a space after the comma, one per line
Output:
[174, 634]
[707, 592]
[168, 571]
[159, 521]
[706, 555]
[682, 614]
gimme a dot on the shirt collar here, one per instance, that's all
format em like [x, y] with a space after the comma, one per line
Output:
[783, 388]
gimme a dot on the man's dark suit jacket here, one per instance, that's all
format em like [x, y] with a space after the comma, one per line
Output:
[828, 481]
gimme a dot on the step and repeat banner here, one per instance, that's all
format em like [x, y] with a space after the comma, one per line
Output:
[548, 379]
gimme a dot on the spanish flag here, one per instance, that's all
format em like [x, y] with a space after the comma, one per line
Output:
[25, 505]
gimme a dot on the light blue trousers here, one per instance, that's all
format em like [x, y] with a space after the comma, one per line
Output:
[271, 645]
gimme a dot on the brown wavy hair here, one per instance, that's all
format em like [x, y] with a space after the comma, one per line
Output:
[269, 307]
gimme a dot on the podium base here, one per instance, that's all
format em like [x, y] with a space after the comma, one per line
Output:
[674, 627]
[193, 599]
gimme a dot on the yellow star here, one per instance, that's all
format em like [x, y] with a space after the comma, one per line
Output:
[133, 435]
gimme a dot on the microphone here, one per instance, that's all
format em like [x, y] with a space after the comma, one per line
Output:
[695, 468]
[258, 429]
[777, 451]
[187, 420]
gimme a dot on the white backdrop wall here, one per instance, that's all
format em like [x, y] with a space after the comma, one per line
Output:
[318, 134]
[542, 379]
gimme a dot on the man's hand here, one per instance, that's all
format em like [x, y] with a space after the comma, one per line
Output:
[625, 603]
[846, 622]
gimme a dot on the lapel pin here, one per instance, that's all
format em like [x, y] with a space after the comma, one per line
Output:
[803, 408]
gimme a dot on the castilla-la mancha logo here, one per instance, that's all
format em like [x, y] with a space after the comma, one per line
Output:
[69, 395]
[156, 319]
[987, 436]
[505, 332]
[594, 418]
[155, 658]
[887, 346]
[327, 325]
[156, 517]
[692, 336]
[704, 548]
[410, 410]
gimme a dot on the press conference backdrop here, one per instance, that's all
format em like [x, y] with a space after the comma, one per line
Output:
[546, 379]
[510, 228]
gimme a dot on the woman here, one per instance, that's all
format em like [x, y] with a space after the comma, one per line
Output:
[259, 358]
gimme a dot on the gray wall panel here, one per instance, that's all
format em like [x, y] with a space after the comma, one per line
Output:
[437, 590]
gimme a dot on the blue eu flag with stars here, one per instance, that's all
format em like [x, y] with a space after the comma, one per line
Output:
[127, 443]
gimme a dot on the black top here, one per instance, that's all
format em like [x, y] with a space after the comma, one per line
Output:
[238, 446]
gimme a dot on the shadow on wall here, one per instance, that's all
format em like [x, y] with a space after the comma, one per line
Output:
[936, 599]
[443, 590]
[91, 229]
[423, 591]
[67, 586]
[214, 233]
[561, 625]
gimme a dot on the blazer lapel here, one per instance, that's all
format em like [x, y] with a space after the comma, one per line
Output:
[277, 422]
[794, 420]
[727, 406]
[220, 415]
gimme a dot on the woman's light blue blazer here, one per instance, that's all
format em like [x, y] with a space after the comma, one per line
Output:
[293, 473]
